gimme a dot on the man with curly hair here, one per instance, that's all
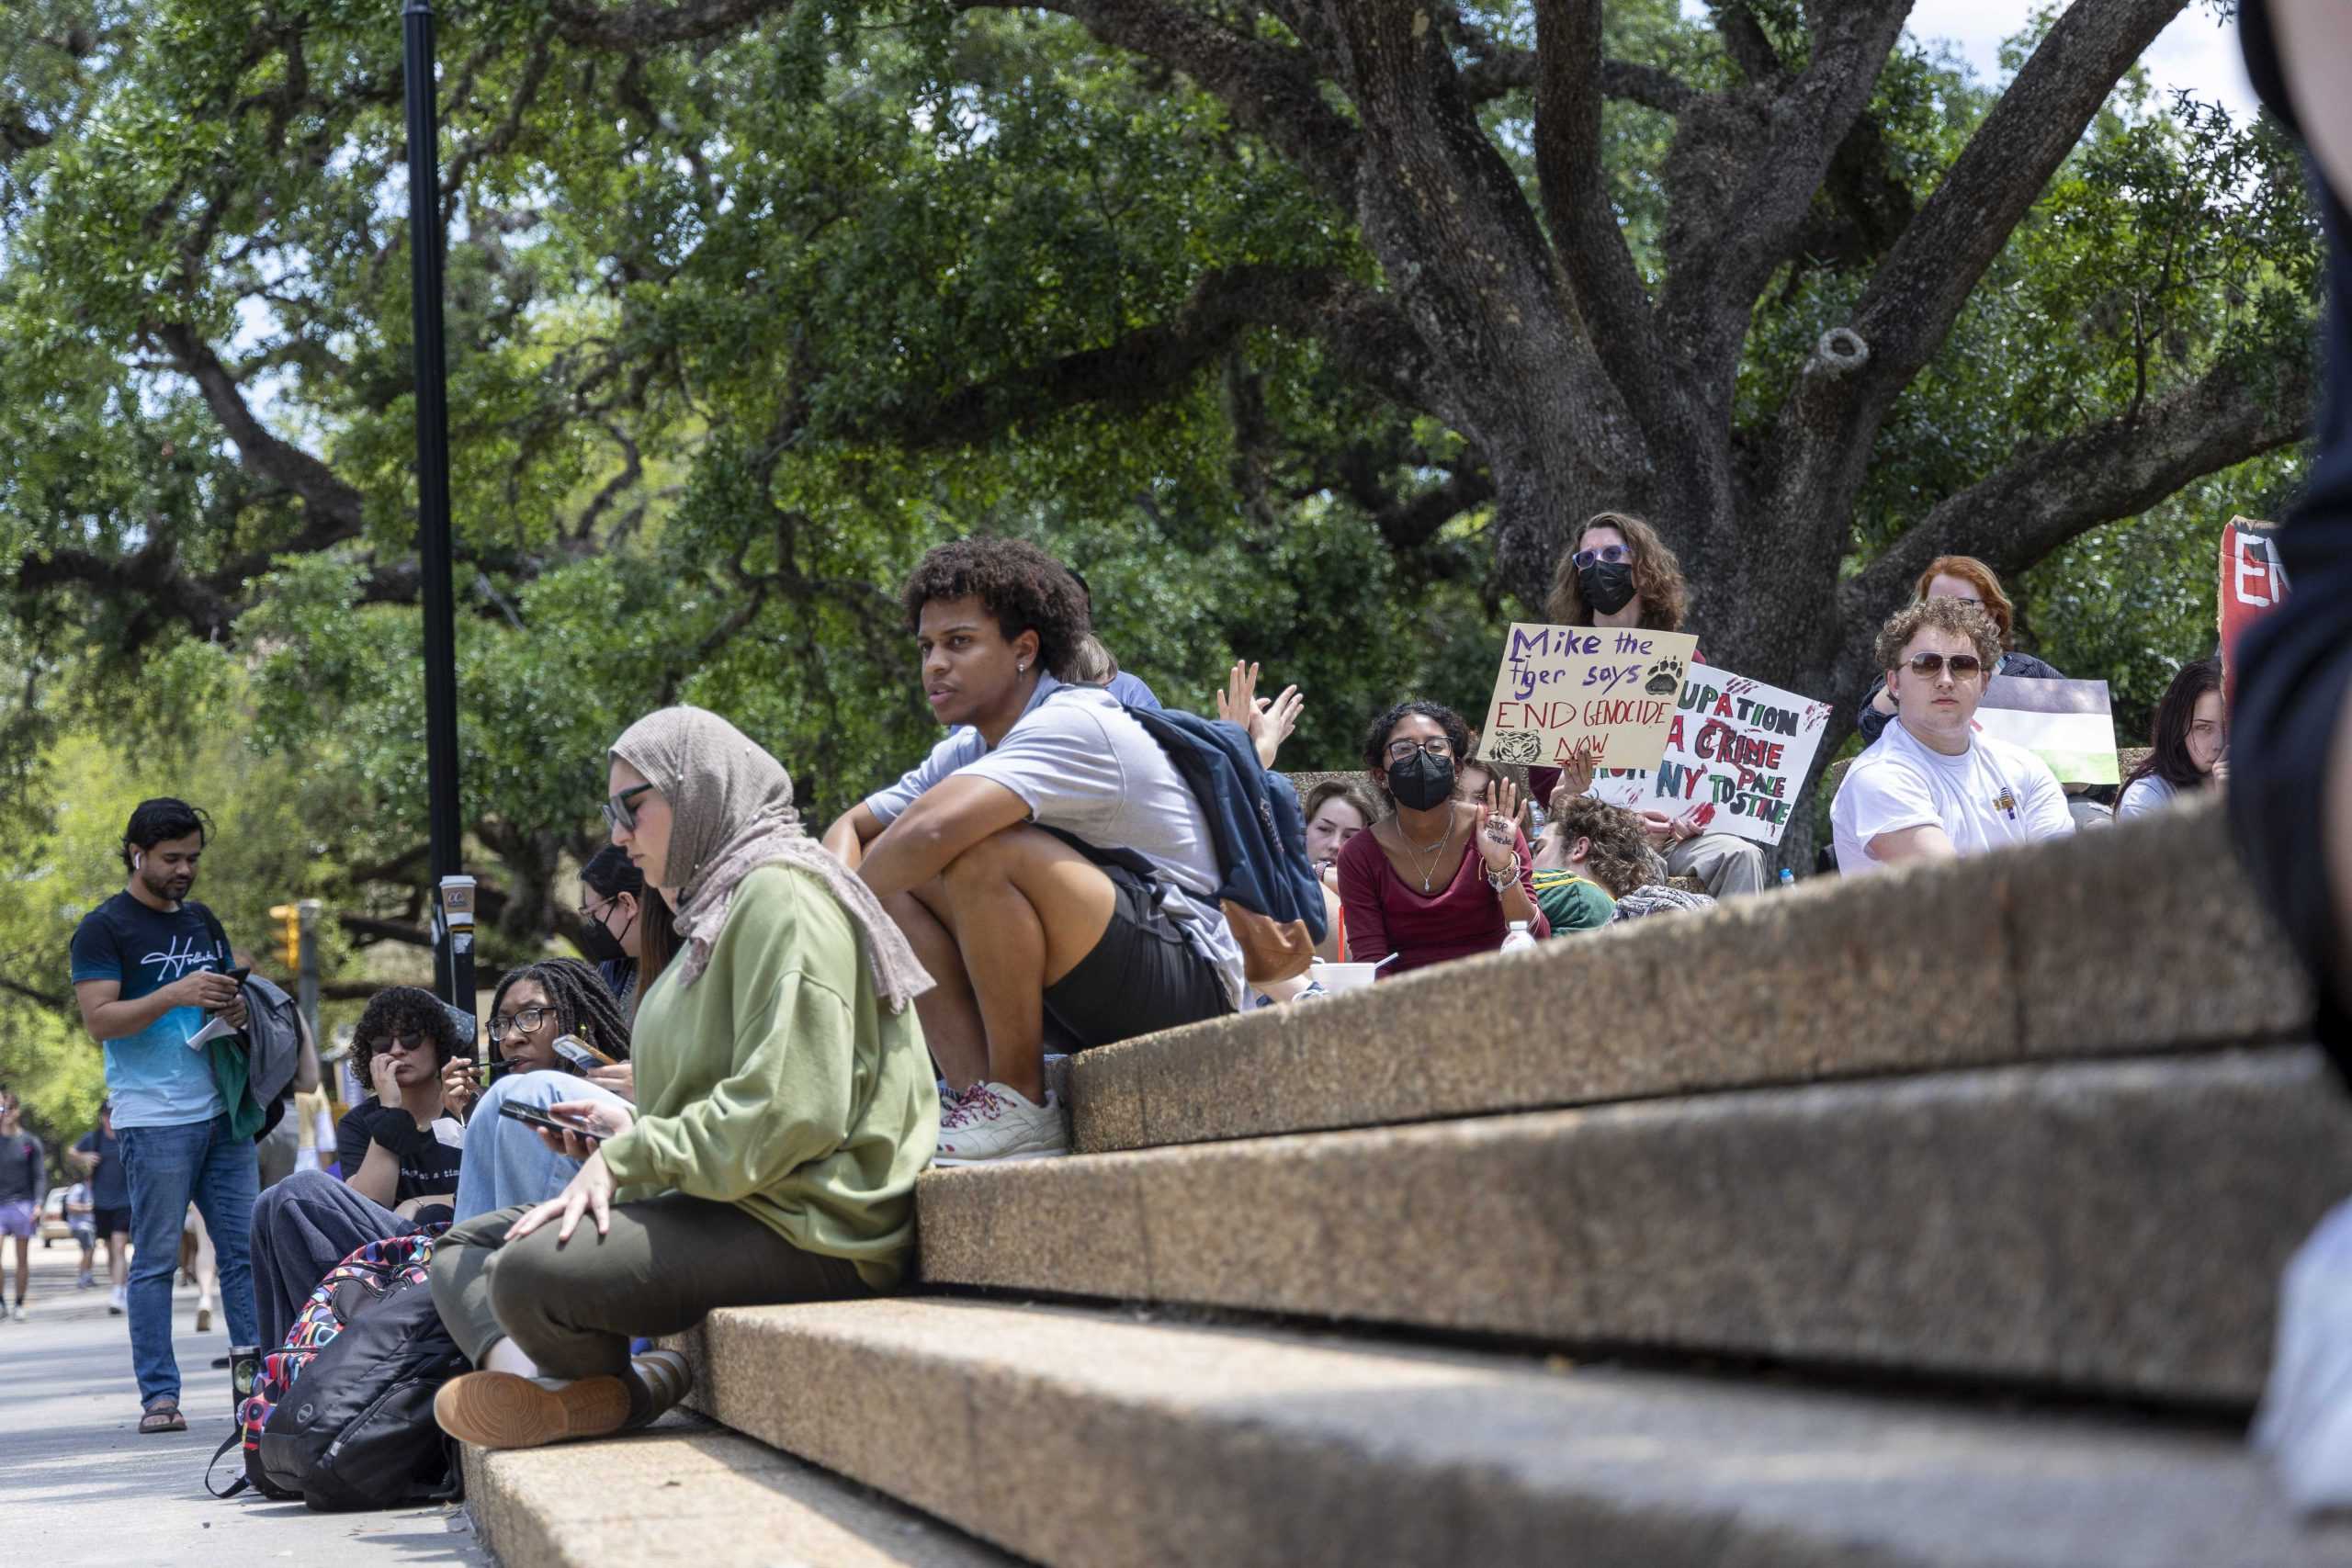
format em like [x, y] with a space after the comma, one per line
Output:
[1932, 787]
[991, 862]
[1591, 856]
[399, 1149]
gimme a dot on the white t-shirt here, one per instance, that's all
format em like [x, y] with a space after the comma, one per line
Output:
[2148, 793]
[1991, 795]
[1081, 763]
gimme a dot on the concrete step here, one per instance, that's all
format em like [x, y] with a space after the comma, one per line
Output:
[1085, 1439]
[697, 1496]
[2112, 1227]
[2097, 945]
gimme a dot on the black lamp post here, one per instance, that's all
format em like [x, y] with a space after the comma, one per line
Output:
[453, 905]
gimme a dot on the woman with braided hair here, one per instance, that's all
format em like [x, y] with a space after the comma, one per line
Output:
[561, 1037]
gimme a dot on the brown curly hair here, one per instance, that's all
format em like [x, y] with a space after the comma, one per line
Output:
[1939, 615]
[1021, 587]
[1979, 576]
[1617, 860]
[1658, 577]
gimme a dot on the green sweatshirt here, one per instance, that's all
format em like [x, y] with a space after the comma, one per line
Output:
[778, 1083]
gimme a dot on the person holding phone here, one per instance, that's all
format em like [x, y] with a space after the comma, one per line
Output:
[150, 968]
[785, 1107]
[561, 1037]
[400, 1150]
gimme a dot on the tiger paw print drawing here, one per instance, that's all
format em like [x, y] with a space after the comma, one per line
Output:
[1665, 677]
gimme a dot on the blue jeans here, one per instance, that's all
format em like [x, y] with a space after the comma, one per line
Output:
[167, 1167]
[505, 1163]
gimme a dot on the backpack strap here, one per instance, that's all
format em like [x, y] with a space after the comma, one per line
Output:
[235, 1437]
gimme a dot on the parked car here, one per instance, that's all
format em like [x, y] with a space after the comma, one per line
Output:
[53, 1228]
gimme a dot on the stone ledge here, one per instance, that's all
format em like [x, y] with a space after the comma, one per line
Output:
[2110, 1227]
[697, 1497]
[1089, 1440]
[2140, 939]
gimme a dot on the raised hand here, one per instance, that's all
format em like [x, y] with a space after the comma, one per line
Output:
[1273, 722]
[1575, 775]
[1497, 825]
[1237, 704]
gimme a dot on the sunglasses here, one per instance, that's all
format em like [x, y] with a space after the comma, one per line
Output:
[1612, 554]
[1930, 665]
[617, 812]
[402, 1042]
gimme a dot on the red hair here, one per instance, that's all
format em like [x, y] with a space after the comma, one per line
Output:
[1979, 576]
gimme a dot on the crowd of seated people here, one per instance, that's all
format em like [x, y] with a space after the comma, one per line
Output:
[777, 1036]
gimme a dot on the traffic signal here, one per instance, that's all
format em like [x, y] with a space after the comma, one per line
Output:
[289, 933]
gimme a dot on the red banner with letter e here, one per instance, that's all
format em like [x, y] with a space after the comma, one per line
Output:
[2252, 584]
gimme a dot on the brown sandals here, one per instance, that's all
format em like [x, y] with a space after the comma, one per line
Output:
[162, 1415]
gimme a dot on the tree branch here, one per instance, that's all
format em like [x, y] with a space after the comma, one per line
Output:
[333, 507]
[1605, 283]
[1274, 91]
[2116, 468]
[1904, 315]
[652, 23]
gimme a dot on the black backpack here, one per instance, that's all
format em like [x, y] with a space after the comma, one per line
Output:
[356, 1429]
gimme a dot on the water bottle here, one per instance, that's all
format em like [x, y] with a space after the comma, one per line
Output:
[1788, 879]
[1519, 936]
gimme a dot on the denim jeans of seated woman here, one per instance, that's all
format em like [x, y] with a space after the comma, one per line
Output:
[505, 1161]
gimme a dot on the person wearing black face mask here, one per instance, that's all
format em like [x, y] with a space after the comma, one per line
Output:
[1618, 572]
[1442, 878]
[624, 934]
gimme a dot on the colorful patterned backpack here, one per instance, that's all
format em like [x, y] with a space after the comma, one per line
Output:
[350, 1288]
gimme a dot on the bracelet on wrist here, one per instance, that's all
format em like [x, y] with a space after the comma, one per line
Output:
[1499, 880]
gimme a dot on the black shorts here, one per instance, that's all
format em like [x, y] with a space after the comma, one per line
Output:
[110, 1222]
[1142, 977]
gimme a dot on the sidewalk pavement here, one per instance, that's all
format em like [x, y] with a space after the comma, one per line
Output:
[79, 1486]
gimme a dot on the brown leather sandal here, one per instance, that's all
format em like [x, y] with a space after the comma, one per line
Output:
[162, 1415]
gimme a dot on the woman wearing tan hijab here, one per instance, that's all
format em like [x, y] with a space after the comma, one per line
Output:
[785, 1107]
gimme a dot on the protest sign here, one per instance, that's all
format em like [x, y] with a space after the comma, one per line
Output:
[1737, 752]
[2253, 583]
[2065, 723]
[1561, 686]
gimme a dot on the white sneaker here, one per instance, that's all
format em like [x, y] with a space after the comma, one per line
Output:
[993, 1123]
[204, 1320]
[19, 1312]
[116, 1299]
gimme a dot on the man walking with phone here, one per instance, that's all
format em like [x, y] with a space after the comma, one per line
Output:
[150, 966]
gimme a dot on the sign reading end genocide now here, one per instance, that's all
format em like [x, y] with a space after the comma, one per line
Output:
[1737, 752]
[1560, 685]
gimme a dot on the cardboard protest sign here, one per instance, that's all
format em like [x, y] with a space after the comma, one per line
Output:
[1737, 750]
[2252, 584]
[1560, 685]
[2068, 724]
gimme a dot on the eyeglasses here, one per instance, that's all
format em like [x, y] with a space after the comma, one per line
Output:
[594, 913]
[527, 1021]
[1963, 666]
[616, 810]
[1612, 554]
[1436, 745]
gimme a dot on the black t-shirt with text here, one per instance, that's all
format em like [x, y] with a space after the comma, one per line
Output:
[428, 1163]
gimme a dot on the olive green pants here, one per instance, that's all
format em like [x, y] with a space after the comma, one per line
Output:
[663, 1265]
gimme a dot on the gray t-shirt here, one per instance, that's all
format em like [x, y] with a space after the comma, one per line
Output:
[963, 744]
[2147, 795]
[1080, 764]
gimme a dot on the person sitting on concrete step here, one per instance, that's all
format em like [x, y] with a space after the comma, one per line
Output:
[1441, 877]
[784, 1108]
[1591, 853]
[1619, 572]
[539, 1012]
[987, 860]
[1972, 583]
[1336, 812]
[1932, 787]
[2189, 749]
[402, 1150]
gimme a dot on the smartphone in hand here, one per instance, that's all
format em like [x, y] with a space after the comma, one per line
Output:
[533, 1117]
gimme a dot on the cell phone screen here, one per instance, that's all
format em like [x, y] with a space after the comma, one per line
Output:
[534, 1118]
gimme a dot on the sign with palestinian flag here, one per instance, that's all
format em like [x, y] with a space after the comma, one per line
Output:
[2068, 724]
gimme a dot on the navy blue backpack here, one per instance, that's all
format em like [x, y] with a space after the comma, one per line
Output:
[1269, 891]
